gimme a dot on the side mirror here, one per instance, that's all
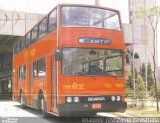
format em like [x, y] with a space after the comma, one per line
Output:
[58, 55]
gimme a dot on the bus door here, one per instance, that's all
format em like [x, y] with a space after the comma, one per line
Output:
[53, 85]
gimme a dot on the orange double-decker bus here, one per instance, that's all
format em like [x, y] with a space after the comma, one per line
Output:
[72, 62]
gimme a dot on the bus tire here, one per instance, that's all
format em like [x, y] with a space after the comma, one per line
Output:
[43, 107]
[21, 101]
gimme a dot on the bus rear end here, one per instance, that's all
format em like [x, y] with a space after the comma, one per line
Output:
[90, 71]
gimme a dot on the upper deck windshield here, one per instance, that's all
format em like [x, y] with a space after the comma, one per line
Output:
[90, 17]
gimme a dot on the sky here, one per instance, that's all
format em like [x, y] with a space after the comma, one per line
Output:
[44, 6]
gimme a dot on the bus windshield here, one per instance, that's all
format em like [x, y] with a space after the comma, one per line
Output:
[91, 62]
[90, 17]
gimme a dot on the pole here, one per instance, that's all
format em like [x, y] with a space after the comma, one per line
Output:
[134, 82]
[145, 43]
[156, 61]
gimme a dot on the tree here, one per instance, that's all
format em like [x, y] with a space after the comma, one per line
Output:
[140, 89]
[152, 91]
[150, 77]
[142, 71]
[129, 81]
[130, 87]
[152, 14]
[150, 80]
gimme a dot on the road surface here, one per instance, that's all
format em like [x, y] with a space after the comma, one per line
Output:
[11, 112]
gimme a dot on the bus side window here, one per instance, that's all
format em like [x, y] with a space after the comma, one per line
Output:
[52, 20]
[43, 28]
[34, 34]
[28, 38]
[23, 43]
[34, 69]
[15, 49]
[22, 73]
[41, 68]
[18, 47]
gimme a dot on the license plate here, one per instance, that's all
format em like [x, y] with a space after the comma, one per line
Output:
[96, 106]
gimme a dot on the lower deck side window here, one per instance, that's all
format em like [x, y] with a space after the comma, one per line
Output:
[39, 68]
[22, 72]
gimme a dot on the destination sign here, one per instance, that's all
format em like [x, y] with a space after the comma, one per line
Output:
[95, 40]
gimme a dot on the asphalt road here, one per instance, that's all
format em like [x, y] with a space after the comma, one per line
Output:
[11, 111]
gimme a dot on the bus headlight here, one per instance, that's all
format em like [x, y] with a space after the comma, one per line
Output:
[76, 99]
[113, 98]
[118, 98]
[69, 99]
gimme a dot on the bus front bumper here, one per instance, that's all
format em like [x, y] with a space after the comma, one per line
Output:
[91, 108]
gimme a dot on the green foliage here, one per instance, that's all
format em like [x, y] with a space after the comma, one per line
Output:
[150, 77]
[129, 85]
[140, 90]
[129, 92]
[129, 81]
[152, 91]
[152, 14]
[148, 12]
[142, 71]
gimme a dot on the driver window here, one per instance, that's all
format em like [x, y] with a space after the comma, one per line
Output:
[96, 66]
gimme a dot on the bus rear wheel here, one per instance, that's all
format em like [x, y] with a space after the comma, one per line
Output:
[43, 107]
[21, 101]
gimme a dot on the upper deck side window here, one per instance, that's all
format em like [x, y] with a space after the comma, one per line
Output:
[46, 25]
[28, 39]
[52, 20]
[18, 46]
[15, 48]
[43, 27]
[90, 17]
[34, 34]
[23, 43]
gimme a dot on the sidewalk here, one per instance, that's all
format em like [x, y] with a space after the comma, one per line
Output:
[147, 111]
